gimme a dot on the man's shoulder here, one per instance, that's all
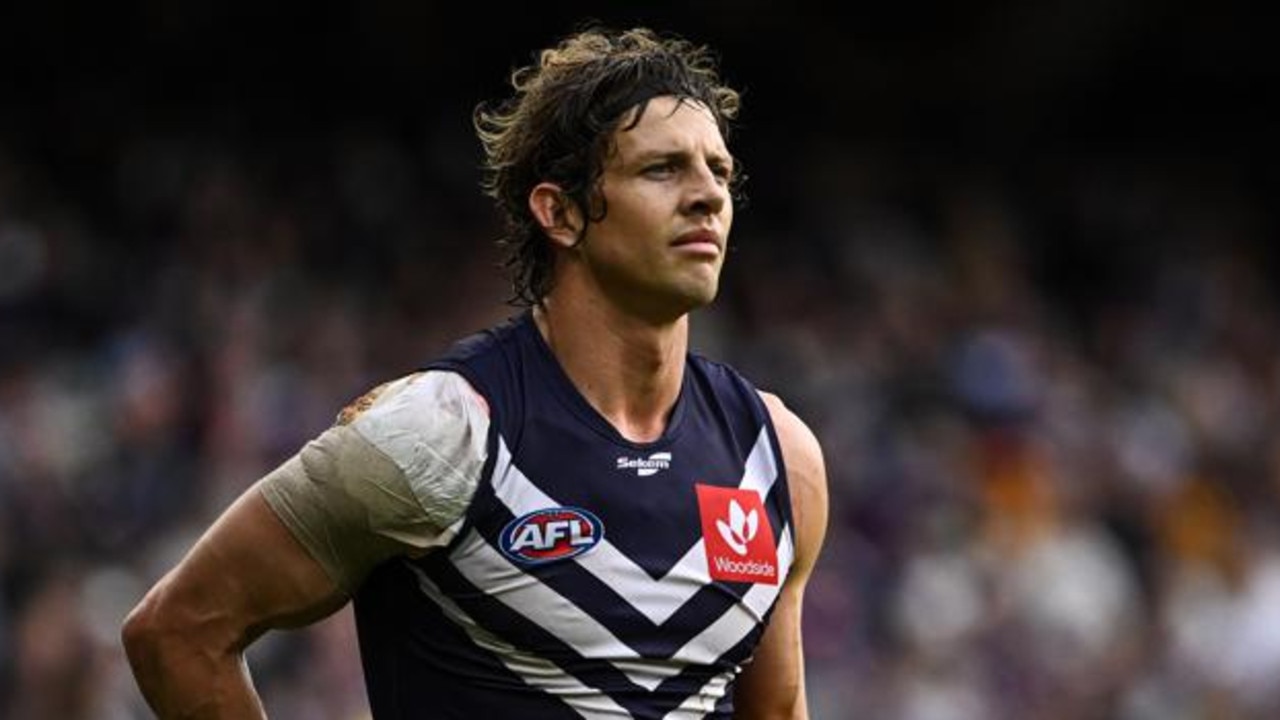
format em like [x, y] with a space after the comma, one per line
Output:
[361, 404]
[806, 478]
[409, 396]
[794, 434]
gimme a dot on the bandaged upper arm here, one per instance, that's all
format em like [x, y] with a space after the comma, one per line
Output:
[394, 477]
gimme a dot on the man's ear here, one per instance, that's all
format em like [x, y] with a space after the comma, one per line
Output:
[556, 213]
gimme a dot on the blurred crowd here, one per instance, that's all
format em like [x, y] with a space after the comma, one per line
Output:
[1047, 390]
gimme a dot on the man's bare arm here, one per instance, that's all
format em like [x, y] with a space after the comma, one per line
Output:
[291, 550]
[772, 686]
[246, 574]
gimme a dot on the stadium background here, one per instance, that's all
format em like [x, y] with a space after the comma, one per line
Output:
[1013, 263]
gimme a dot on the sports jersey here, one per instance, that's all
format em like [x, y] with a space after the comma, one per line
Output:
[589, 576]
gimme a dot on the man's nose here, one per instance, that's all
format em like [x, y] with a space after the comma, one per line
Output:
[707, 192]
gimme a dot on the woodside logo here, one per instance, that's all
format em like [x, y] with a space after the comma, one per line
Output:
[741, 528]
[737, 534]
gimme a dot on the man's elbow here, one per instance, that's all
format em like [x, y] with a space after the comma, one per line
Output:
[181, 660]
[143, 633]
[160, 632]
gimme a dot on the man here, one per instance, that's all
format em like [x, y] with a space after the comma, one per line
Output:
[568, 515]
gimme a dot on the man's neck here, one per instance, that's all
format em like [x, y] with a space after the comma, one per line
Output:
[628, 369]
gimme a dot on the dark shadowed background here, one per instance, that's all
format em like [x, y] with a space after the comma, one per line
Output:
[1014, 263]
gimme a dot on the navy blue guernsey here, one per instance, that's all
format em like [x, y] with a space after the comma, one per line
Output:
[591, 576]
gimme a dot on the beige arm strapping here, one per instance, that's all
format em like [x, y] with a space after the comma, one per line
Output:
[393, 478]
[329, 495]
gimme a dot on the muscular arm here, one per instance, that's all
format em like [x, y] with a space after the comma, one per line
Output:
[772, 686]
[185, 640]
[391, 478]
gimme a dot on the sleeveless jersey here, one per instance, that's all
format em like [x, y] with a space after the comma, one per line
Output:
[591, 576]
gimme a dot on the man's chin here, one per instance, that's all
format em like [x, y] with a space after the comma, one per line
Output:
[699, 290]
[696, 299]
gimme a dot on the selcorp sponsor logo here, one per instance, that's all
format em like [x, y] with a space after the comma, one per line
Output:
[646, 466]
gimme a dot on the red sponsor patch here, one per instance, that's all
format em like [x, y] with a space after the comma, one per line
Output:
[737, 535]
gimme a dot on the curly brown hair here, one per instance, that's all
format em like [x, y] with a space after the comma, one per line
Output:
[558, 127]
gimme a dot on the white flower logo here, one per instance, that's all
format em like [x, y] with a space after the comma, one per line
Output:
[741, 529]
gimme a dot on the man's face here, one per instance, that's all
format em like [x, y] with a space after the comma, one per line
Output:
[659, 250]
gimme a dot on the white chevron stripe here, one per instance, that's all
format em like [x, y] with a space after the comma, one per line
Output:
[704, 701]
[656, 599]
[533, 670]
[761, 468]
[731, 627]
[486, 568]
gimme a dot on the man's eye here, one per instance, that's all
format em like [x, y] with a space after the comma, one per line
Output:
[660, 169]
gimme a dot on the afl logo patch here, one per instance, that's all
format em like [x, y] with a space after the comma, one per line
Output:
[550, 534]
